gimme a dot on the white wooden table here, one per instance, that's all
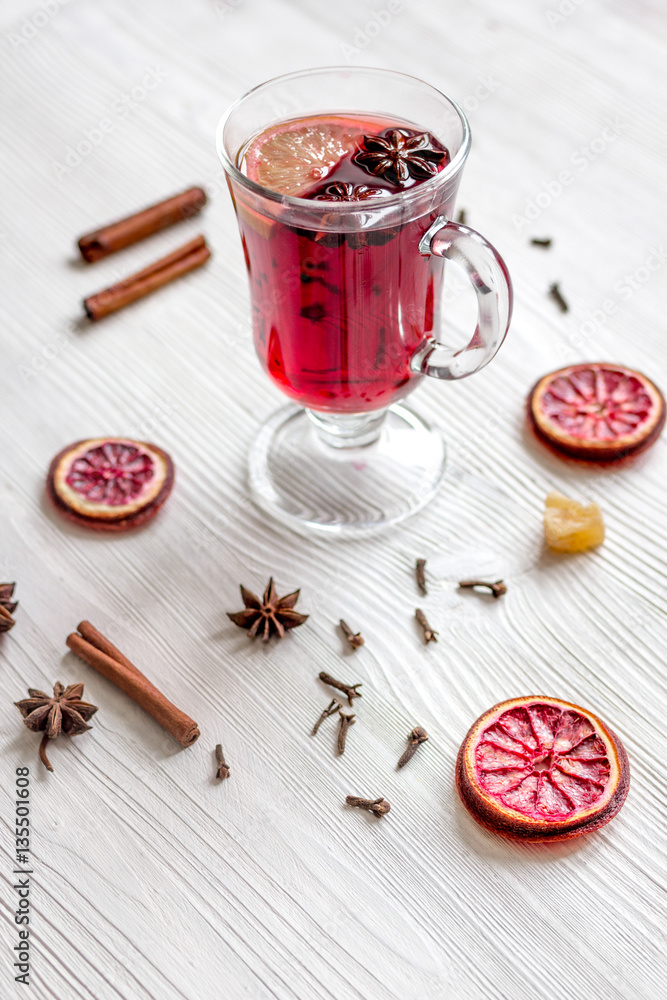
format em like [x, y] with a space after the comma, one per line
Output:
[150, 879]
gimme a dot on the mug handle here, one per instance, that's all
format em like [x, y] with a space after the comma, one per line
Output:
[490, 279]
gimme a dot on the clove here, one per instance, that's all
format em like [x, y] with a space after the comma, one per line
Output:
[415, 738]
[223, 768]
[461, 218]
[430, 635]
[420, 571]
[349, 689]
[497, 589]
[379, 807]
[345, 722]
[355, 639]
[331, 709]
[556, 294]
[546, 243]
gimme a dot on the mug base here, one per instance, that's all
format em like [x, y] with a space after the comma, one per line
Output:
[345, 491]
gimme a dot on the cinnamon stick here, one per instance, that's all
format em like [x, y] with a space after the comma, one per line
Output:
[116, 235]
[103, 656]
[136, 286]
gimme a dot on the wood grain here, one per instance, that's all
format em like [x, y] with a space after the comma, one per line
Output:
[150, 878]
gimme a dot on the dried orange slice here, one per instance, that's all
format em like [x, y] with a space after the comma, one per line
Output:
[292, 157]
[111, 484]
[541, 769]
[596, 412]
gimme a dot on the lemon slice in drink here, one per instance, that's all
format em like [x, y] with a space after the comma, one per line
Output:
[292, 157]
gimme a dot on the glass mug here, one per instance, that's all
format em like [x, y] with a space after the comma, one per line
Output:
[346, 308]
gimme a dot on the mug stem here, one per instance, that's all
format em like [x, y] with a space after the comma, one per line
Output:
[348, 430]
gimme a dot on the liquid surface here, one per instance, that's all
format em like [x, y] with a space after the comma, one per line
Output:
[307, 157]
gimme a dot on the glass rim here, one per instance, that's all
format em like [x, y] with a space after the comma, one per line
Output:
[411, 194]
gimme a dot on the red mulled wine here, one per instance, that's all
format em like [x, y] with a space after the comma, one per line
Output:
[339, 312]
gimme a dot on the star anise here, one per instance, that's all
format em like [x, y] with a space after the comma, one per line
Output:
[399, 156]
[62, 713]
[271, 614]
[7, 606]
[342, 191]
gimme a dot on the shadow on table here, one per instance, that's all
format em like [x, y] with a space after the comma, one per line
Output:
[586, 475]
[75, 530]
[510, 854]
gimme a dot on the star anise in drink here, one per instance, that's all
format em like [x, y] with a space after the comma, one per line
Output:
[271, 614]
[65, 712]
[343, 191]
[399, 156]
